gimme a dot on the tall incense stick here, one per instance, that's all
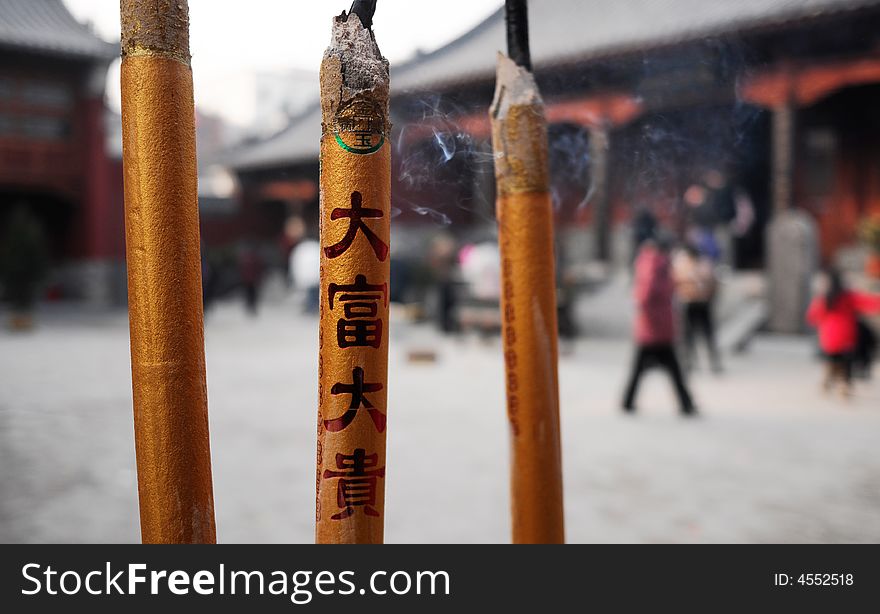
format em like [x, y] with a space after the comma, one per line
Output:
[528, 300]
[353, 341]
[164, 274]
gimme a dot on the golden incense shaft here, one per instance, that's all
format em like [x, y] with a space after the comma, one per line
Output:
[528, 304]
[164, 275]
[353, 341]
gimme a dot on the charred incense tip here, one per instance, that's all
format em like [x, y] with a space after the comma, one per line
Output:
[516, 15]
[514, 87]
[519, 131]
[354, 75]
[364, 9]
[155, 27]
[353, 44]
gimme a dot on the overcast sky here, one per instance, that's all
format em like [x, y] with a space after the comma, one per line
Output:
[231, 39]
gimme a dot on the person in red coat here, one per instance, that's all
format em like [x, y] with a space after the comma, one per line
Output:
[835, 315]
[655, 323]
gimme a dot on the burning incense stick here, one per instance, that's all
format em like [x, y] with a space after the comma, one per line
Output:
[355, 226]
[528, 301]
[164, 274]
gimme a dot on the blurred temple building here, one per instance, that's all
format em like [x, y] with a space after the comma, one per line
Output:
[61, 151]
[771, 102]
[55, 157]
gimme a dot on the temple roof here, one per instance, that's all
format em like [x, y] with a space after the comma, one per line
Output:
[298, 142]
[561, 32]
[46, 26]
[564, 31]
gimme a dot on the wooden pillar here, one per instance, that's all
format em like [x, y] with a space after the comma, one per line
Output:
[101, 220]
[599, 143]
[784, 130]
[791, 237]
[99, 244]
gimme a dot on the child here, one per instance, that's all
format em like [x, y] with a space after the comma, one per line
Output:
[835, 316]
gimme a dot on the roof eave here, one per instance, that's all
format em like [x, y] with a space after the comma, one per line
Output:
[106, 55]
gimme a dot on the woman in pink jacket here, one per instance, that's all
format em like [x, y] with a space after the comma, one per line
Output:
[655, 324]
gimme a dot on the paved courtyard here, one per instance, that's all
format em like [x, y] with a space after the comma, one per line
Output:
[769, 460]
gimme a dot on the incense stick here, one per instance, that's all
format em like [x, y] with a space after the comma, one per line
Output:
[353, 341]
[164, 275]
[528, 300]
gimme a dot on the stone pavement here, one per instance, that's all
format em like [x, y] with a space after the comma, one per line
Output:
[769, 460]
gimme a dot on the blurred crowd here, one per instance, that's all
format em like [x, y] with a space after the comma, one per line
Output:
[676, 266]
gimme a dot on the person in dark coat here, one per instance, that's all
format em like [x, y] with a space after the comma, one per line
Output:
[866, 350]
[250, 271]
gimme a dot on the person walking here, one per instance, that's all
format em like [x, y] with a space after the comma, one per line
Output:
[835, 315]
[305, 272]
[695, 286]
[442, 260]
[250, 270]
[654, 324]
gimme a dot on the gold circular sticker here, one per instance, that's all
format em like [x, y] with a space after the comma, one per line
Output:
[360, 126]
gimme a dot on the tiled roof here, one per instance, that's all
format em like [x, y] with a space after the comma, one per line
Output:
[46, 26]
[562, 31]
[298, 142]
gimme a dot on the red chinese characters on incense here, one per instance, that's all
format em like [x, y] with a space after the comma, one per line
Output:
[353, 338]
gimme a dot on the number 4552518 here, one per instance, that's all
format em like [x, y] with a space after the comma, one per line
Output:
[815, 579]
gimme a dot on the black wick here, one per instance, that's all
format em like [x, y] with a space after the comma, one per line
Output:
[517, 17]
[364, 9]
